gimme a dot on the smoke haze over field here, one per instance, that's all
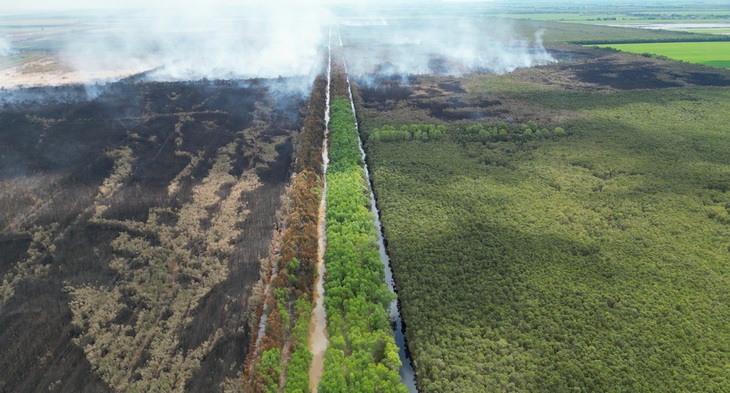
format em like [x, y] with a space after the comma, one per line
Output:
[223, 39]
[447, 46]
[266, 39]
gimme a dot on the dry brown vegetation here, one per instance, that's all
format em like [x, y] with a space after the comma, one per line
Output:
[279, 359]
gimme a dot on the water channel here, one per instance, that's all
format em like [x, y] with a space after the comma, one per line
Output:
[407, 374]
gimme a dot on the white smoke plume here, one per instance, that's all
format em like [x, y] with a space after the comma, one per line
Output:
[194, 41]
[5, 47]
[444, 46]
[237, 39]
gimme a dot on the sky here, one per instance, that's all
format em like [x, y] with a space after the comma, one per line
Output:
[55, 5]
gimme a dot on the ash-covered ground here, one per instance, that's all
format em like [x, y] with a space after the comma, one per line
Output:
[132, 228]
[478, 97]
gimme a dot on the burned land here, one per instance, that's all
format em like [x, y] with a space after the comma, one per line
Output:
[489, 98]
[133, 227]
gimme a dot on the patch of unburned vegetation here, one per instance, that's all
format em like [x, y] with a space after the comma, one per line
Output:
[716, 54]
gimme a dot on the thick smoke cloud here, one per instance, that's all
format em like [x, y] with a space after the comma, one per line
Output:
[446, 46]
[264, 39]
[225, 39]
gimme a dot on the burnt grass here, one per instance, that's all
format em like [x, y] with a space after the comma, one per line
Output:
[404, 99]
[53, 160]
[37, 350]
[441, 99]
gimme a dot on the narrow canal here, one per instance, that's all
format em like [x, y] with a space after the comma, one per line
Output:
[407, 374]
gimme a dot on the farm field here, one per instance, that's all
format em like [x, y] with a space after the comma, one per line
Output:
[688, 17]
[624, 18]
[716, 54]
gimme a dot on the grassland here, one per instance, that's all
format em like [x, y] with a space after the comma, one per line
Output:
[627, 18]
[715, 54]
[703, 18]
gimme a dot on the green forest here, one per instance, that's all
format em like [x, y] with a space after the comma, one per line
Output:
[362, 355]
[596, 260]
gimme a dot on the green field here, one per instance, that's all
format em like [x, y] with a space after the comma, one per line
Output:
[715, 54]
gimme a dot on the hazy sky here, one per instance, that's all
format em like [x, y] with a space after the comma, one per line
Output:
[55, 5]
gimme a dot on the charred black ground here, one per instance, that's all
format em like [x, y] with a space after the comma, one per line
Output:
[82, 173]
[434, 98]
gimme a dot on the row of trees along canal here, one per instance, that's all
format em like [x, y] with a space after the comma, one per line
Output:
[362, 355]
[279, 358]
